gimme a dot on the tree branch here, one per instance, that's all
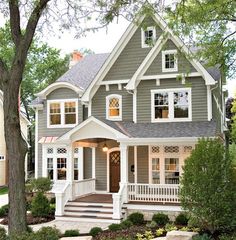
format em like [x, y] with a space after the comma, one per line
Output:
[15, 21]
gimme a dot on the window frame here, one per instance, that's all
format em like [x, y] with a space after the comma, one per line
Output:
[164, 53]
[114, 118]
[62, 113]
[144, 45]
[171, 117]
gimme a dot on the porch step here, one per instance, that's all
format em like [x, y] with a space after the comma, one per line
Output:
[86, 219]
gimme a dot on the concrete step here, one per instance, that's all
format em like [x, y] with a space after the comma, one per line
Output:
[88, 213]
[88, 208]
[86, 219]
[110, 205]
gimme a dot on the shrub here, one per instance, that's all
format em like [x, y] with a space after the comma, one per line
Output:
[41, 184]
[4, 210]
[161, 219]
[95, 231]
[71, 233]
[3, 234]
[151, 224]
[208, 186]
[2, 213]
[126, 224]
[170, 227]
[53, 200]
[202, 237]
[40, 206]
[136, 218]
[227, 237]
[114, 227]
[182, 219]
[48, 233]
[160, 232]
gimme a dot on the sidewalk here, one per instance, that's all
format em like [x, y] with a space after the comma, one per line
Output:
[3, 199]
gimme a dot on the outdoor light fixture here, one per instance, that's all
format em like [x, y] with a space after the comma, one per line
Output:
[105, 148]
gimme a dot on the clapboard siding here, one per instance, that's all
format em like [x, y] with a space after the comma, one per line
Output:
[199, 97]
[99, 102]
[142, 164]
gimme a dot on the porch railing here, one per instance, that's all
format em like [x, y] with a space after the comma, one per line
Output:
[118, 200]
[84, 187]
[164, 193]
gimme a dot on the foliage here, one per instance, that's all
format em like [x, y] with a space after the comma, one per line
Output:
[4, 210]
[208, 186]
[114, 227]
[48, 233]
[40, 206]
[182, 219]
[160, 232]
[42, 184]
[227, 236]
[152, 224]
[170, 227]
[136, 218]
[202, 237]
[126, 224]
[71, 233]
[95, 231]
[3, 190]
[160, 218]
[146, 236]
[3, 234]
[53, 200]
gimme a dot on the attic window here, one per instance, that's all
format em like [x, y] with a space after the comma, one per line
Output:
[148, 37]
[169, 61]
[114, 107]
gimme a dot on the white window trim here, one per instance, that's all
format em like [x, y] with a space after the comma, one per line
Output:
[164, 69]
[171, 105]
[114, 118]
[62, 106]
[1, 160]
[144, 45]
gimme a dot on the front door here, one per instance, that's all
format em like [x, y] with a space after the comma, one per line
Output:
[114, 171]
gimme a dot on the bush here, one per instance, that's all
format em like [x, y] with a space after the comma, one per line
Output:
[161, 219]
[41, 184]
[227, 237]
[114, 227]
[126, 224]
[71, 233]
[136, 218]
[170, 227]
[152, 224]
[182, 219]
[48, 233]
[3, 234]
[53, 200]
[40, 206]
[202, 237]
[208, 186]
[4, 210]
[95, 231]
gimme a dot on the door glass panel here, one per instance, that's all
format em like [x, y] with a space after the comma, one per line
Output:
[171, 170]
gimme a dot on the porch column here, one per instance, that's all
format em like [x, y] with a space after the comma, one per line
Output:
[93, 162]
[81, 163]
[123, 164]
[70, 170]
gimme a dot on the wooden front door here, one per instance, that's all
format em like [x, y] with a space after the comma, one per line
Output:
[114, 171]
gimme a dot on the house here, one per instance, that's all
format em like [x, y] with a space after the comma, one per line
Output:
[114, 131]
[24, 123]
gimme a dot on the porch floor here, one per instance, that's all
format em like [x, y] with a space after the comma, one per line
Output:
[95, 198]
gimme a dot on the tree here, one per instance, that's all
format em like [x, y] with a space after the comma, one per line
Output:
[209, 26]
[208, 189]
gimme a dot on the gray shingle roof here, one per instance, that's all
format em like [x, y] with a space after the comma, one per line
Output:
[83, 73]
[165, 130]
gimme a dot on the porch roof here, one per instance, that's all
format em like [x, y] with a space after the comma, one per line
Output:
[195, 129]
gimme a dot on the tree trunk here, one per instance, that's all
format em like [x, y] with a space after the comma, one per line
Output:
[16, 149]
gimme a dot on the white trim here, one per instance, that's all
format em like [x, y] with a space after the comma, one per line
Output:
[135, 164]
[36, 167]
[171, 105]
[169, 75]
[81, 163]
[108, 165]
[107, 87]
[158, 82]
[154, 207]
[209, 103]
[164, 53]
[62, 114]
[153, 29]
[90, 108]
[135, 106]
[93, 162]
[114, 82]
[114, 118]
[43, 94]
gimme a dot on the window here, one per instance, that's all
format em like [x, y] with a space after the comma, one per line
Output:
[114, 107]
[61, 168]
[50, 168]
[169, 61]
[76, 169]
[148, 37]
[155, 170]
[171, 105]
[62, 113]
[171, 171]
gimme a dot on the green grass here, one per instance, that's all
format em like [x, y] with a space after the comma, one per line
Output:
[3, 190]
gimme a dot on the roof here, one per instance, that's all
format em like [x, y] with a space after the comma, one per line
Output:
[196, 129]
[82, 74]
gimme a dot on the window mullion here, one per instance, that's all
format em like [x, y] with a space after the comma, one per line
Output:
[171, 105]
[63, 113]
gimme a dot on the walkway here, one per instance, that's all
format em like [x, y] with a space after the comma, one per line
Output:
[3, 200]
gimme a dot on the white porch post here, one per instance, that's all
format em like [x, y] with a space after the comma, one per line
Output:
[70, 167]
[93, 162]
[81, 163]
[135, 164]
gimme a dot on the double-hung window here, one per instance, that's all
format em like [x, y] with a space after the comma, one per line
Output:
[148, 37]
[171, 105]
[62, 113]
[169, 61]
[114, 107]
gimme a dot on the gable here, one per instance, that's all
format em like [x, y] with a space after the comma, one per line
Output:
[132, 55]
[184, 66]
[62, 93]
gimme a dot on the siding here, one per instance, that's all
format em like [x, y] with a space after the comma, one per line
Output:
[43, 131]
[183, 64]
[132, 56]
[87, 163]
[99, 102]
[199, 97]
[142, 164]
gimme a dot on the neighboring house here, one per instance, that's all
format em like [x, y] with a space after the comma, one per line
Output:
[24, 123]
[123, 123]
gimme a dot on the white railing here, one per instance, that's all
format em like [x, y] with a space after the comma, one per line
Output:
[118, 200]
[83, 187]
[62, 194]
[164, 193]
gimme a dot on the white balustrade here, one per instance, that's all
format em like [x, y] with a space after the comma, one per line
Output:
[164, 193]
[84, 187]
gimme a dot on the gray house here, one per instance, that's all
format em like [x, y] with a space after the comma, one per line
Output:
[114, 131]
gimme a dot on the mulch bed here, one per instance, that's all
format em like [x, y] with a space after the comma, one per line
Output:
[32, 220]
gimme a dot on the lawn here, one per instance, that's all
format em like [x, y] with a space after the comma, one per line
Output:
[3, 190]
